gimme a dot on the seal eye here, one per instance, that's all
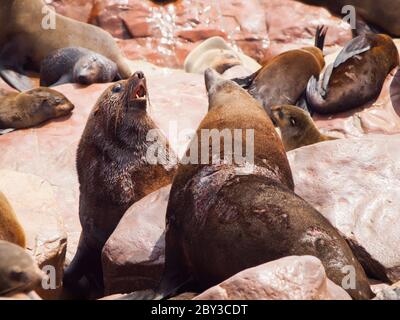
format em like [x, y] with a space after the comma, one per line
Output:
[117, 88]
[292, 121]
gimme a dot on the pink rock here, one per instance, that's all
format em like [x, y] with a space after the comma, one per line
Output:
[133, 257]
[34, 202]
[290, 278]
[354, 184]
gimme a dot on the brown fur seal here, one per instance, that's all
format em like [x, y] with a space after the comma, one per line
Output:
[10, 229]
[356, 77]
[113, 171]
[25, 42]
[297, 127]
[18, 272]
[30, 108]
[383, 14]
[221, 221]
[76, 65]
[284, 79]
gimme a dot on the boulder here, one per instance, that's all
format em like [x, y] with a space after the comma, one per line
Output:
[133, 257]
[289, 278]
[354, 183]
[34, 202]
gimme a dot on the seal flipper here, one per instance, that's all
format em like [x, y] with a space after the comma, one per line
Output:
[246, 82]
[356, 46]
[320, 36]
[363, 28]
[16, 80]
[66, 78]
[303, 104]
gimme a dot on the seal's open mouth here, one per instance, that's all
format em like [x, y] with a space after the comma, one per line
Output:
[138, 94]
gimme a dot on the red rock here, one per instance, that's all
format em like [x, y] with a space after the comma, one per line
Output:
[133, 257]
[354, 184]
[290, 278]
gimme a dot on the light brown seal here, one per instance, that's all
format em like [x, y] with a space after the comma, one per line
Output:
[76, 65]
[31, 108]
[25, 42]
[283, 80]
[297, 127]
[222, 219]
[10, 228]
[18, 272]
[356, 77]
[114, 172]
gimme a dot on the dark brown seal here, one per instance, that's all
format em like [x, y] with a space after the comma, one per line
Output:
[383, 14]
[356, 77]
[26, 39]
[10, 228]
[283, 80]
[31, 108]
[76, 65]
[114, 171]
[297, 127]
[18, 272]
[222, 220]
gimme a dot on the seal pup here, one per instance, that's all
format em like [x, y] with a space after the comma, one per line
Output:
[76, 65]
[25, 42]
[356, 77]
[114, 172]
[284, 79]
[213, 206]
[18, 272]
[297, 127]
[31, 108]
[10, 228]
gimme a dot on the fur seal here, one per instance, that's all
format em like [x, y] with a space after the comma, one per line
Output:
[18, 272]
[30, 108]
[297, 127]
[213, 206]
[25, 42]
[283, 80]
[76, 65]
[356, 77]
[217, 54]
[10, 228]
[383, 14]
[113, 172]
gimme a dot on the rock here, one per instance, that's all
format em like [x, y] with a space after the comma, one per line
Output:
[34, 202]
[388, 294]
[290, 278]
[166, 34]
[354, 184]
[133, 257]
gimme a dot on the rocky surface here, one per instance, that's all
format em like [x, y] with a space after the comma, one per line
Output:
[290, 278]
[164, 35]
[34, 202]
[133, 257]
[354, 183]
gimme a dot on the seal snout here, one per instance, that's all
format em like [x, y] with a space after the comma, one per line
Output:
[138, 91]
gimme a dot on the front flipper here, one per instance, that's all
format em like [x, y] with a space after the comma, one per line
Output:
[66, 78]
[15, 79]
[363, 28]
[314, 93]
[246, 82]
[303, 104]
[356, 46]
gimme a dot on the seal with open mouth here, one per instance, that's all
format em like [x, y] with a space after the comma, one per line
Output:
[114, 172]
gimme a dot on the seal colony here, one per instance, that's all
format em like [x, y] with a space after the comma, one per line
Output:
[25, 43]
[114, 172]
[212, 206]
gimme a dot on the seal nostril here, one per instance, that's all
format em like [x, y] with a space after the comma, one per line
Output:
[139, 74]
[82, 79]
